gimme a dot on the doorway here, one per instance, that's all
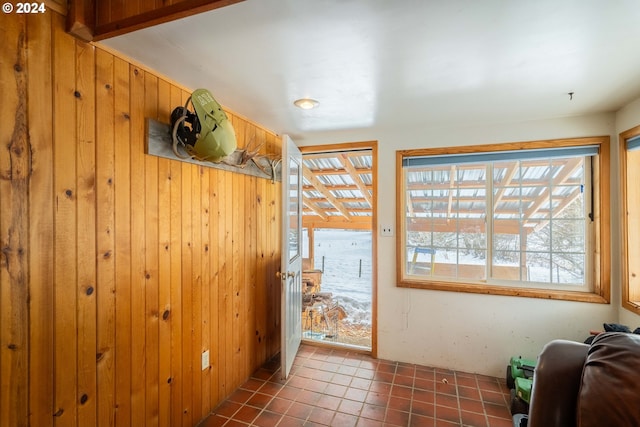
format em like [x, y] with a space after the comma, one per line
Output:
[339, 245]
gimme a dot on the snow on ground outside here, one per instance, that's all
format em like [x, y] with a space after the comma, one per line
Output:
[351, 288]
[342, 251]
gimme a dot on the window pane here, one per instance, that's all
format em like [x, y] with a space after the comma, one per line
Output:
[503, 216]
[538, 267]
[539, 214]
[506, 265]
[294, 209]
[446, 229]
[537, 211]
[539, 240]
[568, 268]
[567, 236]
[568, 202]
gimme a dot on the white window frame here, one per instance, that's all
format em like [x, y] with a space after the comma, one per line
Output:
[597, 288]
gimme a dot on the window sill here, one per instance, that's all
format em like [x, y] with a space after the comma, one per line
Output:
[632, 306]
[590, 297]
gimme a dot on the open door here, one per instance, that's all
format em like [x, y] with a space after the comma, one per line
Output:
[291, 266]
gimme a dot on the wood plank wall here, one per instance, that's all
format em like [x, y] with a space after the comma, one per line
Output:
[118, 269]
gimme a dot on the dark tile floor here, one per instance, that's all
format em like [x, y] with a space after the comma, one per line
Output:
[336, 387]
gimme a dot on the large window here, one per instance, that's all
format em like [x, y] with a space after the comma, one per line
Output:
[512, 219]
[630, 166]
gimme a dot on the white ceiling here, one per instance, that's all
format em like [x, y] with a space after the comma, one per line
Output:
[383, 63]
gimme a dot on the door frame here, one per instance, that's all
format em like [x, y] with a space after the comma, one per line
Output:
[373, 147]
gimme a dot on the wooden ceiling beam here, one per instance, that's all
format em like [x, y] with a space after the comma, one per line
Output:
[566, 201]
[81, 19]
[342, 199]
[444, 226]
[511, 172]
[562, 178]
[93, 20]
[322, 189]
[336, 187]
[354, 175]
[313, 207]
[351, 212]
[321, 197]
[356, 172]
[338, 222]
[470, 199]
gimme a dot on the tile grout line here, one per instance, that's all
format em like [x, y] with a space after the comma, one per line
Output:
[389, 376]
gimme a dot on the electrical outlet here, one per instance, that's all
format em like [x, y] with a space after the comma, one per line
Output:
[205, 360]
[386, 230]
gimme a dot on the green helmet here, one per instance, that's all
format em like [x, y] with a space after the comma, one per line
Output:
[210, 136]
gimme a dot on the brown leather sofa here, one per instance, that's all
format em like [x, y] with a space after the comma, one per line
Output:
[595, 385]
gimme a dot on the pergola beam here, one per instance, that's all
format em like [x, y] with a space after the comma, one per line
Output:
[322, 189]
[315, 209]
[356, 178]
[562, 178]
[337, 187]
[511, 172]
[337, 222]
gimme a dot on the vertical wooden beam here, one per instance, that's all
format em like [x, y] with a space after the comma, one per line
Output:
[122, 185]
[238, 281]
[205, 296]
[152, 341]
[86, 231]
[41, 209]
[187, 296]
[312, 247]
[196, 295]
[251, 260]
[238, 222]
[214, 210]
[164, 267]
[260, 266]
[176, 315]
[223, 297]
[164, 292]
[15, 178]
[275, 284]
[138, 249]
[66, 201]
[105, 235]
[230, 237]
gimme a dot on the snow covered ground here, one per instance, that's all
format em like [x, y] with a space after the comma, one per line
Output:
[347, 270]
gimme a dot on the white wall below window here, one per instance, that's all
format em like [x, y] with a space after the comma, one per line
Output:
[473, 332]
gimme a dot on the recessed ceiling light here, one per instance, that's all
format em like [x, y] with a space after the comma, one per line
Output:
[306, 103]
